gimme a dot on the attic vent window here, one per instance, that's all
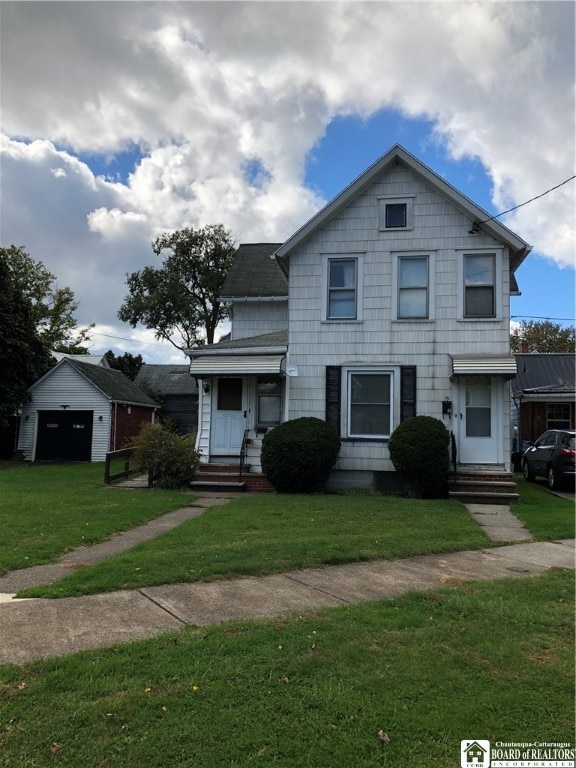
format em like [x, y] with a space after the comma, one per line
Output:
[395, 213]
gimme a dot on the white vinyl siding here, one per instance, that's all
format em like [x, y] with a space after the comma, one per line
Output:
[254, 318]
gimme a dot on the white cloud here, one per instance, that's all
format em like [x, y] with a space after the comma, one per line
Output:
[208, 90]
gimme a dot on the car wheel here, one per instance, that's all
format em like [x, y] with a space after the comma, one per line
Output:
[527, 472]
[551, 478]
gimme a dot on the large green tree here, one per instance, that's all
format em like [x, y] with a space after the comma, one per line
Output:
[180, 300]
[543, 336]
[24, 357]
[52, 307]
[128, 364]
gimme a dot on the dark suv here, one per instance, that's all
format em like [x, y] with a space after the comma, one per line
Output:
[552, 456]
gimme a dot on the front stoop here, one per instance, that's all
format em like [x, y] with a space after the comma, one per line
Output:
[226, 477]
[482, 486]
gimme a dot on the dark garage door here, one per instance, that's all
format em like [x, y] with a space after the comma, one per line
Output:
[64, 436]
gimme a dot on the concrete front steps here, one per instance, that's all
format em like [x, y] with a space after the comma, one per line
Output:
[482, 485]
[226, 478]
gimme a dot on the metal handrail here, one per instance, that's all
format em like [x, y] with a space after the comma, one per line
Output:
[454, 452]
[243, 454]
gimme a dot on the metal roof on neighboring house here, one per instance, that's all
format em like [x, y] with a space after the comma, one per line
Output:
[545, 373]
[167, 379]
[255, 274]
[114, 384]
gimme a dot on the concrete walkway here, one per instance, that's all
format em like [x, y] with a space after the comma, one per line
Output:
[38, 628]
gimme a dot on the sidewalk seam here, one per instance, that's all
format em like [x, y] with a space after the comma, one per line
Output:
[163, 607]
[321, 591]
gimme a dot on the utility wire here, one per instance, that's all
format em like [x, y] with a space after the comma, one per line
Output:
[476, 224]
[537, 317]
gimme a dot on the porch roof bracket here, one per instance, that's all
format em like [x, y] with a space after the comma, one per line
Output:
[483, 365]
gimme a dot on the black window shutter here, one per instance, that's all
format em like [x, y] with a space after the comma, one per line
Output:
[407, 392]
[333, 389]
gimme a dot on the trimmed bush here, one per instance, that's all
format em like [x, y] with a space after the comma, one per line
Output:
[297, 456]
[419, 451]
[170, 460]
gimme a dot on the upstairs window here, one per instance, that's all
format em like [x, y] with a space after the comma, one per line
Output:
[342, 289]
[395, 215]
[479, 285]
[413, 287]
[395, 212]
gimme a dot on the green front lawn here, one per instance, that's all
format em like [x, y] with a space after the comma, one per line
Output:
[486, 660]
[547, 517]
[272, 533]
[46, 510]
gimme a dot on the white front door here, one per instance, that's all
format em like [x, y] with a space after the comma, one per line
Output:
[228, 416]
[479, 415]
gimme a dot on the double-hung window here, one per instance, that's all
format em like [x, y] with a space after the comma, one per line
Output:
[413, 287]
[370, 396]
[479, 285]
[269, 390]
[342, 299]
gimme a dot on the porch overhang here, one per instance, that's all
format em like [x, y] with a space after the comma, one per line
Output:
[237, 365]
[483, 365]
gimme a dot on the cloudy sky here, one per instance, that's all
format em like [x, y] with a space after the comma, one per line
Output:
[121, 121]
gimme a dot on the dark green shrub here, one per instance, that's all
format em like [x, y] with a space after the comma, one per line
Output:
[170, 460]
[297, 456]
[419, 451]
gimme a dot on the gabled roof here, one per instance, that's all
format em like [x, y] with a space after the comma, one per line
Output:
[253, 274]
[167, 379]
[545, 373]
[113, 384]
[519, 249]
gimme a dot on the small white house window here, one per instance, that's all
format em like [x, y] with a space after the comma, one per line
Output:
[342, 289]
[370, 395]
[269, 390]
[479, 285]
[558, 415]
[395, 212]
[413, 287]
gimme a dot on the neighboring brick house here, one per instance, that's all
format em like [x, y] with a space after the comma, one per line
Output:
[392, 301]
[80, 410]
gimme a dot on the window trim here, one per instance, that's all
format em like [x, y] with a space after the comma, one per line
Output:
[263, 424]
[358, 257]
[394, 408]
[431, 287]
[554, 419]
[496, 252]
[384, 200]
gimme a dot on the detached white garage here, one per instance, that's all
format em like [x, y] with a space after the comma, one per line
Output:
[79, 411]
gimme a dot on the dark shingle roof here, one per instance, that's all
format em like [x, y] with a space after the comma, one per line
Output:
[114, 384]
[548, 372]
[168, 379]
[253, 273]
[274, 339]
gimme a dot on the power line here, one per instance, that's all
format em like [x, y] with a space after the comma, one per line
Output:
[476, 224]
[539, 317]
[123, 338]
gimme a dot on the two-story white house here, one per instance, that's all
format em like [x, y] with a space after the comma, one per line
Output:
[392, 301]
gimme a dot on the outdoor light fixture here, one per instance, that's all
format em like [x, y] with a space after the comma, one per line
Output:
[206, 388]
